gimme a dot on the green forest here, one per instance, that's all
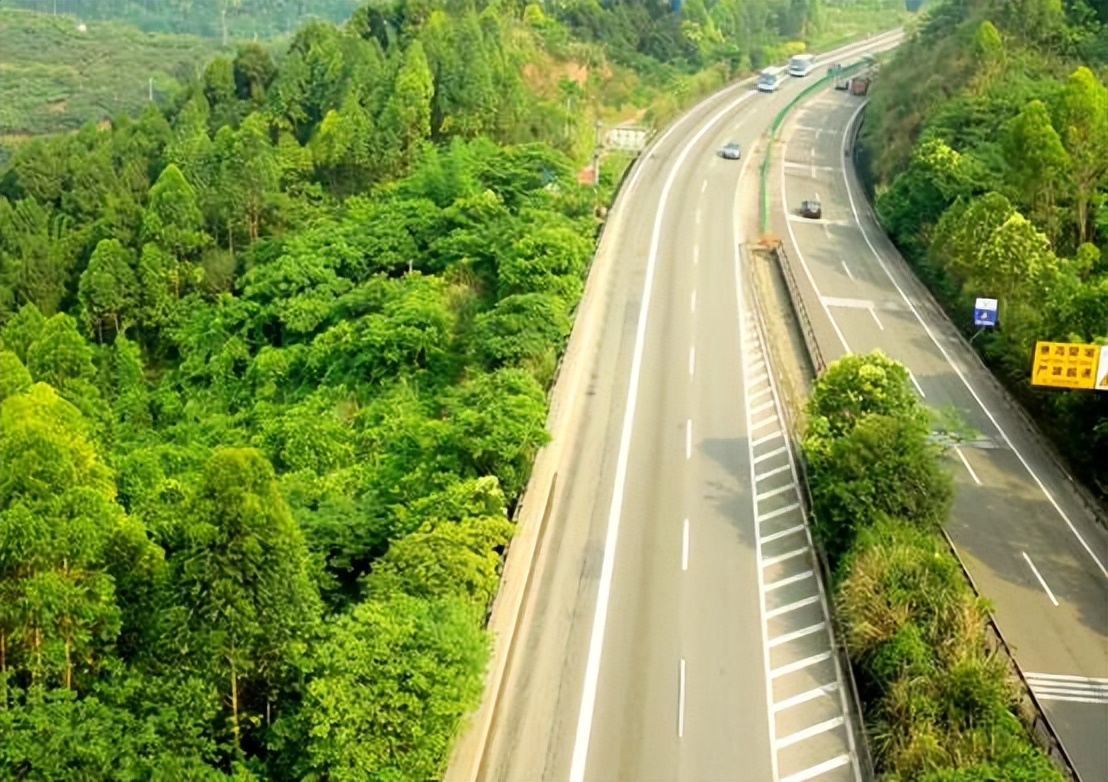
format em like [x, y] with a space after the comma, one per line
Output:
[939, 706]
[987, 139]
[273, 369]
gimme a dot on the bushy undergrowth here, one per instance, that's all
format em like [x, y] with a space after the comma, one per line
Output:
[938, 705]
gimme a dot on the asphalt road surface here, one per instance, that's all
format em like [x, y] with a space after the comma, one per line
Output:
[674, 628]
[1019, 525]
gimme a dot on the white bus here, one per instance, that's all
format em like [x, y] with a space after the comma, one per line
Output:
[770, 78]
[802, 64]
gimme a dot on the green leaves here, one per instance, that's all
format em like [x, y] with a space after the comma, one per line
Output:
[390, 682]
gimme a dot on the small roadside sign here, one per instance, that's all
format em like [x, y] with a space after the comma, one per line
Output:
[1067, 365]
[984, 312]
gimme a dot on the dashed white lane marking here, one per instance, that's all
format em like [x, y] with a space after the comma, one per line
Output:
[685, 546]
[810, 695]
[688, 439]
[692, 359]
[698, 215]
[681, 700]
[915, 382]
[847, 270]
[876, 319]
[703, 185]
[1035, 570]
[810, 600]
[696, 254]
[965, 461]
[815, 771]
[692, 301]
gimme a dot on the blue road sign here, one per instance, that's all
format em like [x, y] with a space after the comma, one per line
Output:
[984, 312]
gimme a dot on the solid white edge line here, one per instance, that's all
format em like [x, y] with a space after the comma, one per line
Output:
[681, 701]
[685, 546]
[600, 617]
[1035, 570]
[915, 382]
[800, 256]
[965, 461]
[1087, 690]
[957, 371]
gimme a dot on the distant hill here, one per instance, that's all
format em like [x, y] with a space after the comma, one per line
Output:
[222, 19]
[57, 73]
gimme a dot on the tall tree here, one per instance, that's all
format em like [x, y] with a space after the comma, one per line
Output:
[1082, 120]
[243, 577]
[1038, 163]
[108, 289]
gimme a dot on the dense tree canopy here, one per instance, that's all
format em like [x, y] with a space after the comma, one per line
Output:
[997, 186]
[273, 373]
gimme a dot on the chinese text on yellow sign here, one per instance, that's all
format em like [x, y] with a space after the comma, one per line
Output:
[1069, 365]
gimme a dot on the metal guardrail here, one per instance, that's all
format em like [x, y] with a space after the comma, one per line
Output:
[788, 407]
[801, 311]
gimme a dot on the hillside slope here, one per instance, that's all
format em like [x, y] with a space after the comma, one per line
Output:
[987, 143]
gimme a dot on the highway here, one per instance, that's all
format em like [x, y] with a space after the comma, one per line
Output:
[671, 625]
[1028, 541]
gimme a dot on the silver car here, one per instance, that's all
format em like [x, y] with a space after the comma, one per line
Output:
[731, 151]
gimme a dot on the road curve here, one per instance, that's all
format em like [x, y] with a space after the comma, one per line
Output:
[1029, 542]
[671, 626]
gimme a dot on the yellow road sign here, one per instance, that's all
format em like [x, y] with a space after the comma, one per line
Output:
[1067, 365]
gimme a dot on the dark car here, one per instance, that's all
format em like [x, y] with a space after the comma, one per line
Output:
[811, 208]
[731, 151]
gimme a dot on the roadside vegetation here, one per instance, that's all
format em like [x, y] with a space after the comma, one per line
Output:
[989, 154]
[273, 370]
[938, 706]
